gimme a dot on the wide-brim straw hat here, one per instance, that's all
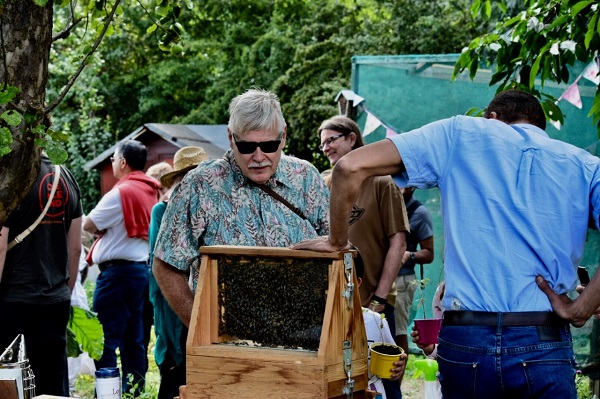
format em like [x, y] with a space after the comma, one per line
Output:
[187, 158]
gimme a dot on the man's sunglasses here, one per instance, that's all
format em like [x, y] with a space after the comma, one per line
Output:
[248, 147]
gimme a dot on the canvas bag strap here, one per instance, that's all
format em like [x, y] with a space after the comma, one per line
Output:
[19, 238]
[279, 198]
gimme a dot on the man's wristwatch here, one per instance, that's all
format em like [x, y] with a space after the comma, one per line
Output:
[412, 256]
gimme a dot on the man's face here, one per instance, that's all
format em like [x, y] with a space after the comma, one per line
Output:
[335, 144]
[117, 163]
[260, 164]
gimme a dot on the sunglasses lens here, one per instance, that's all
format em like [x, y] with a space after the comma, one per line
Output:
[248, 147]
[269, 146]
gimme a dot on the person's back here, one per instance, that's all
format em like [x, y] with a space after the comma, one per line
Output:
[516, 207]
[503, 185]
[120, 221]
[36, 278]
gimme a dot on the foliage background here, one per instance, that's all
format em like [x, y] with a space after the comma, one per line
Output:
[299, 49]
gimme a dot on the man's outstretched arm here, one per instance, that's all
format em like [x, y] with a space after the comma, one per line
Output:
[377, 159]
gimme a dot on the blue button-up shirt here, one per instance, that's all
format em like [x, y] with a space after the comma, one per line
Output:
[515, 205]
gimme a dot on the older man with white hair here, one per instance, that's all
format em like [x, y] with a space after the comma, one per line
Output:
[255, 195]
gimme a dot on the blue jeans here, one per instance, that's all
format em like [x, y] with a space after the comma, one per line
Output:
[495, 362]
[119, 302]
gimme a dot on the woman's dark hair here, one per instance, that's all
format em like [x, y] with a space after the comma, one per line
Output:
[513, 106]
[344, 125]
[134, 153]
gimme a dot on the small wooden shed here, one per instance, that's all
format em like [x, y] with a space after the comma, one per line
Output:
[162, 141]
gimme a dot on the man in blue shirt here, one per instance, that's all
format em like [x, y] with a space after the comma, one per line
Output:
[515, 206]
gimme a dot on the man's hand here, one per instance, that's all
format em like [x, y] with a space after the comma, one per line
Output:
[563, 306]
[399, 367]
[427, 349]
[319, 244]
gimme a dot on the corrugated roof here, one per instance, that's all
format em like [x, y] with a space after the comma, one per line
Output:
[213, 138]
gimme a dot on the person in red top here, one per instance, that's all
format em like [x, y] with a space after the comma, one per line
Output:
[120, 221]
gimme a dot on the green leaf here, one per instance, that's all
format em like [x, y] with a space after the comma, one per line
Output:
[11, 117]
[58, 135]
[87, 331]
[595, 110]
[8, 94]
[475, 7]
[576, 9]
[161, 11]
[39, 129]
[475, 111]
[57, 154]
[559, 21]
[589, 35]
[488, 9]
[151, 28]
[5, 136]
[73, 348]
[473, 67]
[189, 4]
[552, 111]
[40, 142]
[535, 68]
[40, 3]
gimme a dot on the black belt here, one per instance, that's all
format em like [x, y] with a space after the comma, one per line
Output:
[468, 318]
[118, 262]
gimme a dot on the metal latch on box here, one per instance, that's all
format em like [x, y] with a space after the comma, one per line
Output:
[348, 389]
[348, 270]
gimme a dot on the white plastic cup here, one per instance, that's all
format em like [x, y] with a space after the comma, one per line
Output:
[108, 383]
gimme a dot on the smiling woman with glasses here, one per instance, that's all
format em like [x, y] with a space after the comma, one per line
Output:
[330, 140]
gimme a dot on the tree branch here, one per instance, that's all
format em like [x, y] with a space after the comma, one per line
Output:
[66, 32]
[73, 78]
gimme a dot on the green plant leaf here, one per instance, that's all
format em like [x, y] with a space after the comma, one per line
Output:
[151, 28]
[87, 331]
[11, 117]
[5, 140]
[8, 94]
[57, 154]
[591, 31]
[576, 9]
[534, 69]
[58, 135]
[40, 3]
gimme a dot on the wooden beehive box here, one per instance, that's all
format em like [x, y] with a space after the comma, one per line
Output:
[275, 323]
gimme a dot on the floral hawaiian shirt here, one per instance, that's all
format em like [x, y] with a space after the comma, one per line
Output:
[216, 204]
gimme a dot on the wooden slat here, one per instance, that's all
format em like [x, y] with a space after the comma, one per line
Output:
[253, 378]
[269, 252]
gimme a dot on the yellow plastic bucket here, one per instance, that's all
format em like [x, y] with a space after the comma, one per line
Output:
[381, 361]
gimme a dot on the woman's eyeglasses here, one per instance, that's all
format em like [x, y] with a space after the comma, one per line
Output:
[248, 147]
[330, 140]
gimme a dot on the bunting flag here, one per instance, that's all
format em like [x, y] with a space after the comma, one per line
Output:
[371, 124]
[556, 124]
[591, 71]
[572, 95]
[389, 133]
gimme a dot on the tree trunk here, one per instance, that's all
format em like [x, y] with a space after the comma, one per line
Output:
[24, 52]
